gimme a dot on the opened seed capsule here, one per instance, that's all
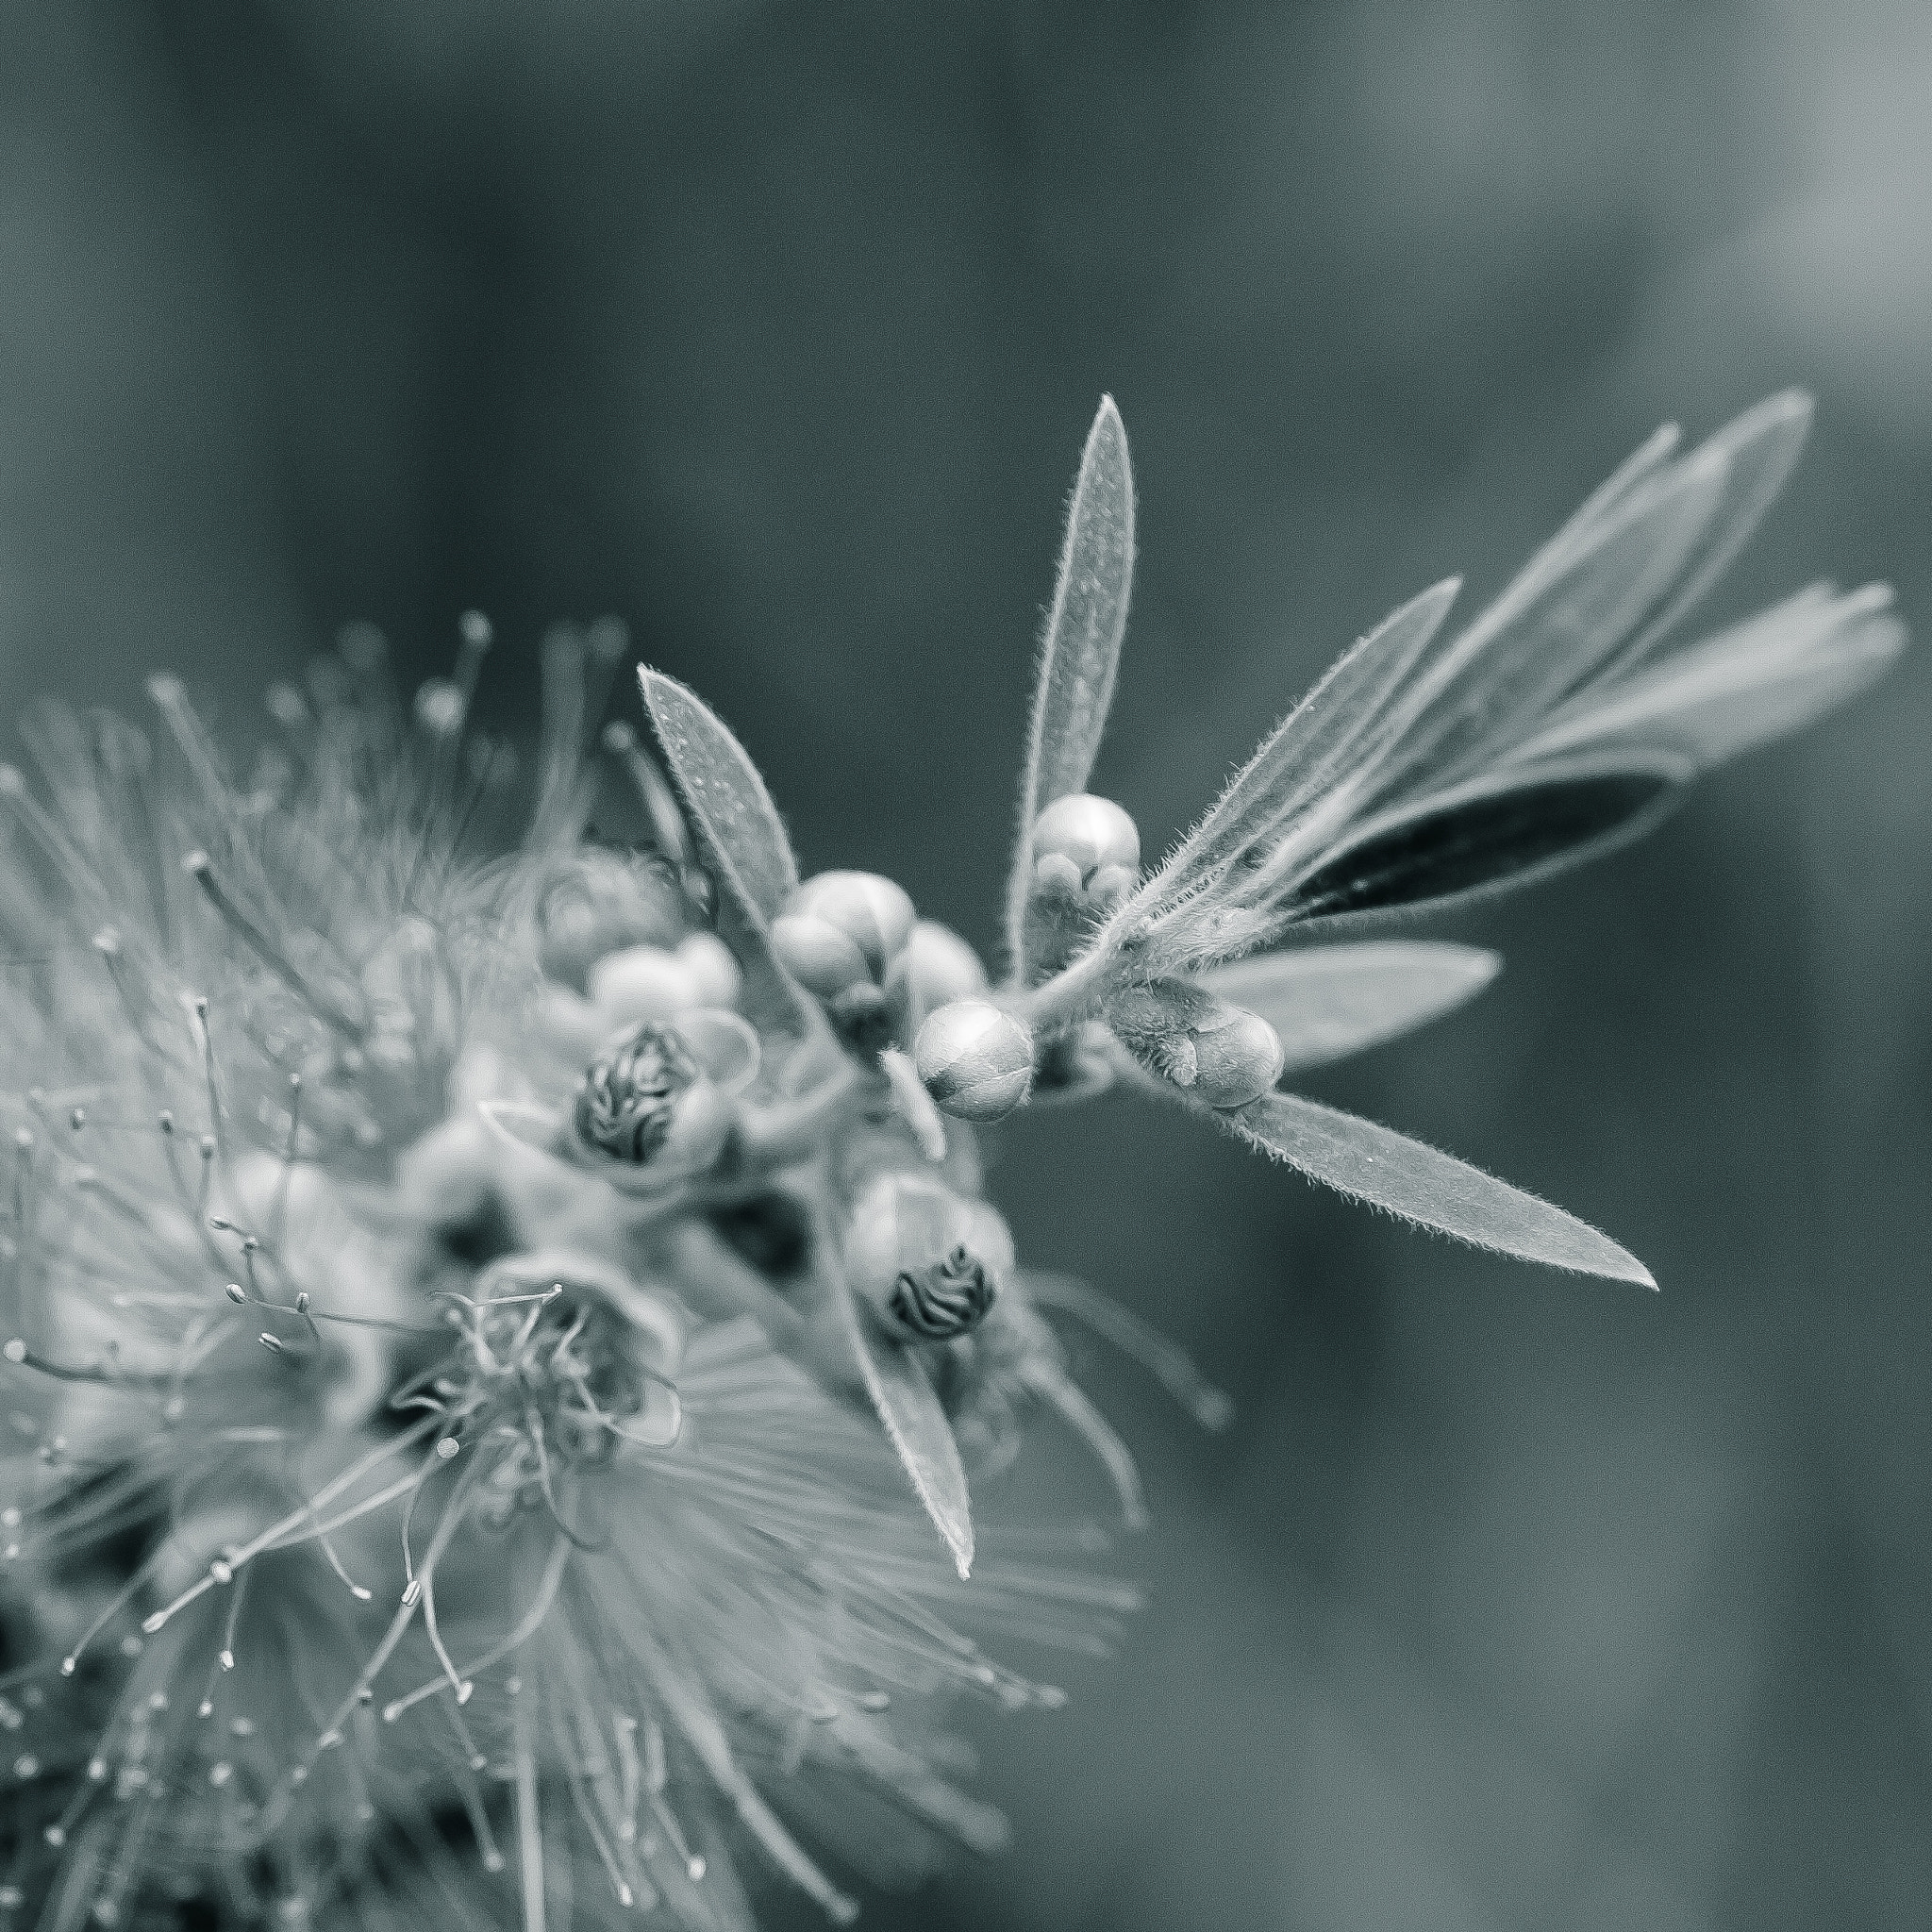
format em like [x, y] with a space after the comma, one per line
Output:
[917, 1256]
[645, 1102]
[976, 1060]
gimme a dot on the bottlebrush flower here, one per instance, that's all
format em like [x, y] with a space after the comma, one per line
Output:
[489, 1340]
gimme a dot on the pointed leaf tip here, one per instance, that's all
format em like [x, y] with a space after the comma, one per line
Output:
[740, 840]
[1376, 1164]
[721, 787]
[916, 1426]
[1080, 653]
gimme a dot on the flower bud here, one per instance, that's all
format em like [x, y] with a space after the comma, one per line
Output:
[642, 983]
[822, 959]
[863, 1015]
[942, 966]
[713, 967]
[921, 1258]
[1090, 832]
[1057, 878]
[873, 912]
[644, 1102]
[976, 1061]
[1238, 1057]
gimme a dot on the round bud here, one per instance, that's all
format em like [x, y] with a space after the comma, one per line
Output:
[642, 983]
[872, 911]
[1057, 878]
[714, 967]
[1092, 832]
[918, 1257]
[942, 966]
[976, 1061]
[817, 954]
[646, 1102]
[1237, 1060]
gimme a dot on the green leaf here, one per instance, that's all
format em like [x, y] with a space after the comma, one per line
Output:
[1389, 1170]
[1082, 649]
[740, 842]
[1759, 680]
[916, 1426]
[1320, 741]
[1506, 830]
[1327, 1002]
[720, 789]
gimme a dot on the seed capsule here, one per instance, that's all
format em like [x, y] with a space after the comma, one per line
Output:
[1090, 832]
[644, 1101]
[976, 1061]
[1238, 1058]
[923, 1258]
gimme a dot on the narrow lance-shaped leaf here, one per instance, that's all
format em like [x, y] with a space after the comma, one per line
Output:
[1505, 830]
[1642, 463]
[1760, 449]
[1082, 648]
[721, 790]
[1389, 1170]
[1327, 1002]
[1549, 632]
[1761, 680]
[916, 1426]
[1310, 747]
[740, 840]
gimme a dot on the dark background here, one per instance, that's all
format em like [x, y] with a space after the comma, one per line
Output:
[1511, 1600]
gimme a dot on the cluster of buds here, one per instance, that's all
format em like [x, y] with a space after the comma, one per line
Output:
[979, 1059]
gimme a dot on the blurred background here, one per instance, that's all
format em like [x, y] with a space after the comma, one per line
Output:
[1511, 1600]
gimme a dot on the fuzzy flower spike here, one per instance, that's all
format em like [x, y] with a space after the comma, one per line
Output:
[1425, 768]
[490, 1325]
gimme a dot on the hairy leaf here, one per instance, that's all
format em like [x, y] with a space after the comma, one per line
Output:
[721, 791]
[1556, 625]
[1315, 743]
[740, 842]
[1602, 595]
[1082, 649]
[1760, 448]
[1480, 836]
[1758, 681]
[1389, 1170]
[1327, 1002]
[917, 1428]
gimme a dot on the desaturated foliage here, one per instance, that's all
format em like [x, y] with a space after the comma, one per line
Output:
[501, 1346]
